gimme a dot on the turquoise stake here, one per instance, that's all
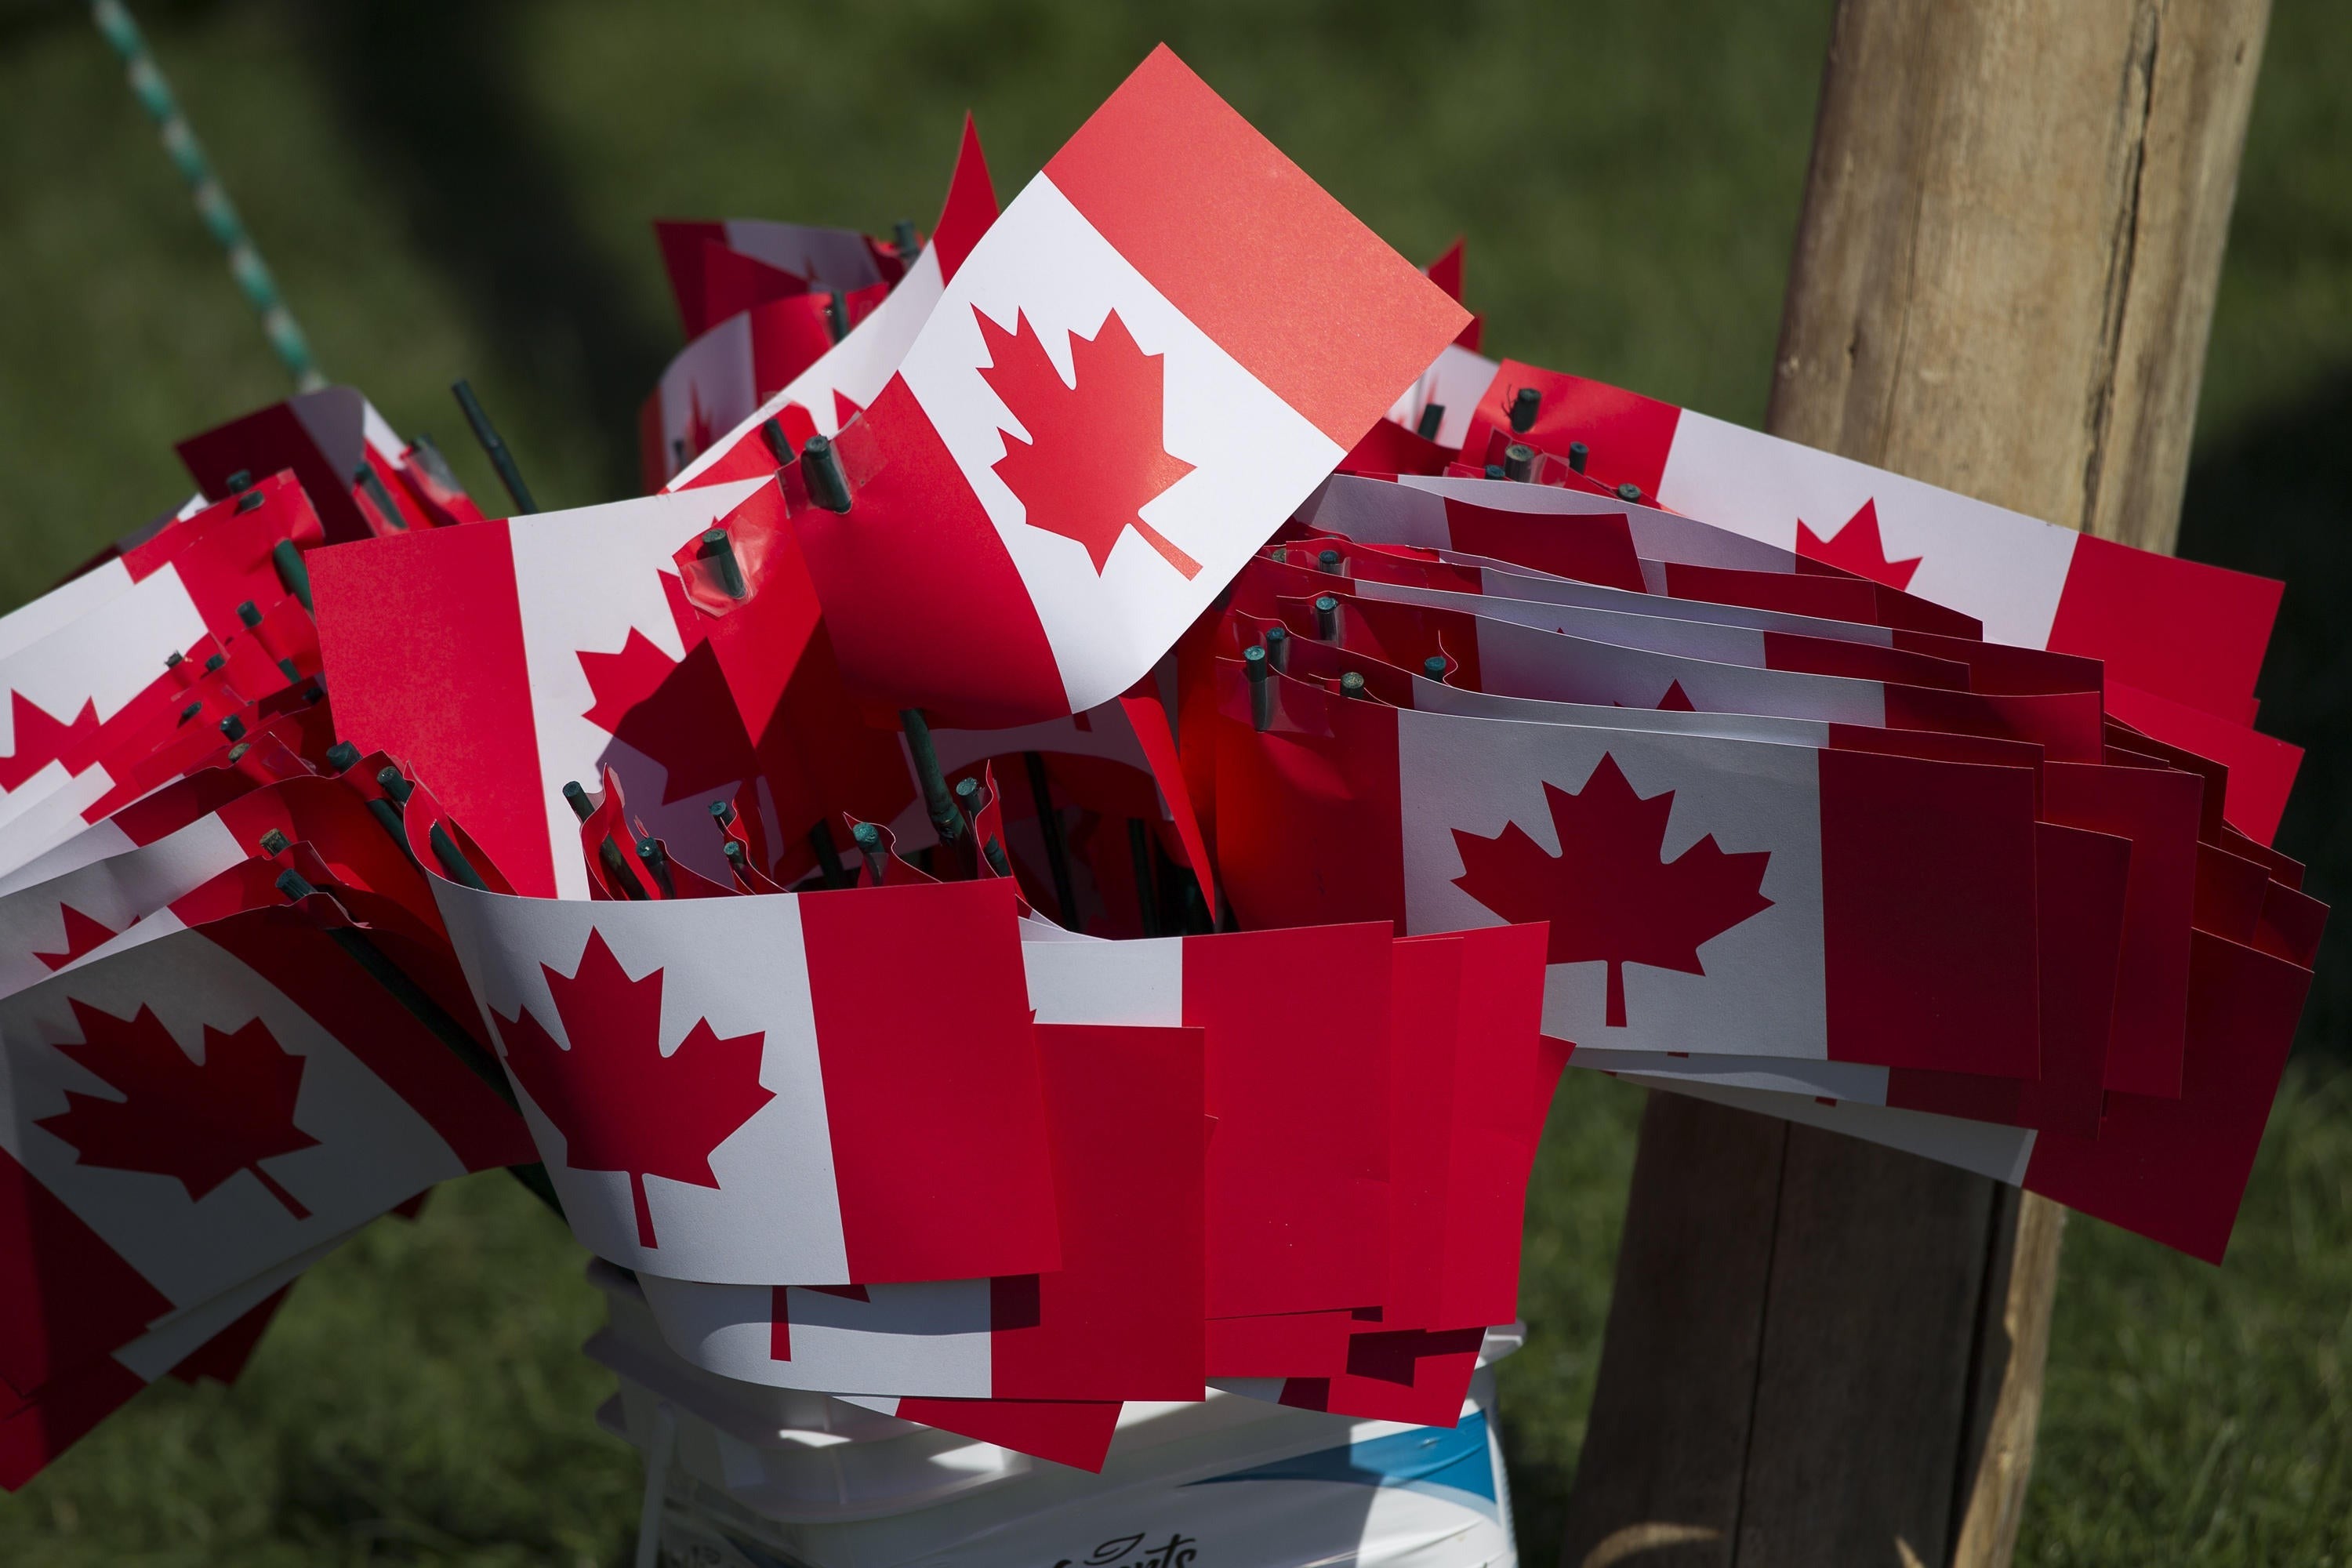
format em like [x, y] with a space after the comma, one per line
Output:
[213, 205]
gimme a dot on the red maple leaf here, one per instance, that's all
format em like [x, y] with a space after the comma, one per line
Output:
[1675, 700]
[1094, 457]
[1856, 548]
[201, 1122]
[83, 934]
[620, 1103]
[677, 712]
[1608, 894]
[40, 738]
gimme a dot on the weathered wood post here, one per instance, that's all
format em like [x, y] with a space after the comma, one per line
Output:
[1820, 1350]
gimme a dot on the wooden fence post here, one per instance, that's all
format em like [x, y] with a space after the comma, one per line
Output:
[1821, 1351]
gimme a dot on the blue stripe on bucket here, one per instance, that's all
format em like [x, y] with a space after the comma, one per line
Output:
[1427, 1459]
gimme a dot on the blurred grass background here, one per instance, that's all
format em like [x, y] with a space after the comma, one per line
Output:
[449, 189]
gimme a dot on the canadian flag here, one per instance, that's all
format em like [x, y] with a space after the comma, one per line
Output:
[102, 579]
[361, 477]
[1095, 757]
[62, 688]
[2188, 632]
[145, 821]
[1298, 1058]
[722, 377]
[1990, 668]
[195, 1110]
[1515, 522]
[1453, 384]
[1374, 570]
[756, 327]
[2081, 934]
[851, 375]
[1703, 894]
[1119, 1319]
[1413, 1376]
[49, 926]
[38, 1424]
[1157, 352]
[2172, 1169]
[1659, 629]
[110, 632]
[1601, 538]
[831, 1089]
[1071, 1432]
[2157, 809]
[503, 660]
[1523, 657]
[715, 267]
[1609, 539]
[1505, 657]
[49, 841]
[1470, 1084]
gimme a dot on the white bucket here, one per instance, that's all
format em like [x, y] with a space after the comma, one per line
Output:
[763, 1478]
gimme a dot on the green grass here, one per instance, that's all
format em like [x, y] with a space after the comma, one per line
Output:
[420, 1398]
[447, 189]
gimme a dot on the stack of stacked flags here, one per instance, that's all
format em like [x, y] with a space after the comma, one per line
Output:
[1059, 857]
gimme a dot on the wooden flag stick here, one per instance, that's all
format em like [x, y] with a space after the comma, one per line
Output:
[1821, 1350]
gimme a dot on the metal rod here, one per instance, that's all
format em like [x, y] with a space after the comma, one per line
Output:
[945, 817]
[293, 573]
[367, 479]
[1526, 403]
[828, 856]
[1277, 647]
[454, 864]
[868, 839]
[1049, 824]
[616, 870]
[1261, 689]
[649, 850]
[493, 446]
[821, 470]
[720, 551]
[419, 1005]
[1139, 848]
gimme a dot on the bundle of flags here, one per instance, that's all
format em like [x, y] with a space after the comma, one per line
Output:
[1060, 854]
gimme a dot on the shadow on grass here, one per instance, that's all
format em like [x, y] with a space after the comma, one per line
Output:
[430, 93]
